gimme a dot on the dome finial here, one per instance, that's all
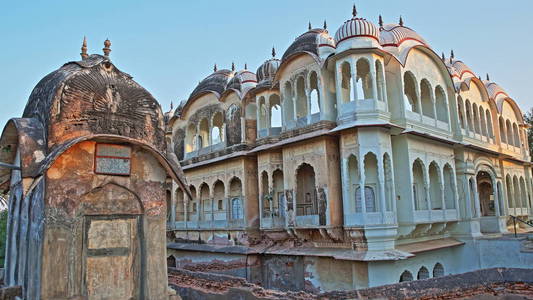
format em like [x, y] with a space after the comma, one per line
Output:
[273, 52]
[245, 66]
[401, 21]
[452, 55]
[354, 11]
[442, 56]
[488, 78]
[83, 53]
[309, 26]
[325, 25]
[232, 66]
[107, 49]
[380, 21]
[215, 68]
[171, 105]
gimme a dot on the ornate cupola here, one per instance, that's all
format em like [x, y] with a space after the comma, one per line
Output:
[357, 33]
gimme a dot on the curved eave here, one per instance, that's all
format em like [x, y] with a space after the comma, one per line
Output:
[481, 86]
[514, 106]
[289, 59]
[196, 97]
[444, 69]
[169, 162]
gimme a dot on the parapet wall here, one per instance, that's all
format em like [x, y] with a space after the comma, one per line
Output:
[496, 282]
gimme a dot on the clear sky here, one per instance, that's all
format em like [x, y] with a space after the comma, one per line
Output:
[169, 46]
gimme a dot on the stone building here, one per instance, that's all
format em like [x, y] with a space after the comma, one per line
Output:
[353, 161]
[87, 171]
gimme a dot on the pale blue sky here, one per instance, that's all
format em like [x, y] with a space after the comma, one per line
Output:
[169, 46]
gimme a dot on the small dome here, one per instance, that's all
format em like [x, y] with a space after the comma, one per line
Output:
[393, 35]
[242, 81]
[462, 70]
[494, 89]
[215, 83]
[267, 71]
[358, 28]
[311, 42]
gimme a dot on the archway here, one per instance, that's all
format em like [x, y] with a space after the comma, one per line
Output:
[306, 202]
[235, 194]
[485, 193]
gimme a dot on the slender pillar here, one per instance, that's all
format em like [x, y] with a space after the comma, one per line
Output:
[338, 86]
[476, 199]
[362, 184]
[381, 179]
[496, 196]
[374, 81]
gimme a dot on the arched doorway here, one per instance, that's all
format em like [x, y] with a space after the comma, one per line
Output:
[486, 193]
[306, 203]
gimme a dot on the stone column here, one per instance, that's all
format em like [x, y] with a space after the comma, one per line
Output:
[496, 196]
[362, 183]
[476, 199]
[338, 87]
[308, 99]
[258, 116]
[354, 82]
[442, 196]
[381, 180]
[384, 88]
[468, 194]
[345, 178]
[374, 81]
[268, 122]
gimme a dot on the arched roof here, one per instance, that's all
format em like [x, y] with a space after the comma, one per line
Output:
[310, 43]
[215, 83]
[393, 35]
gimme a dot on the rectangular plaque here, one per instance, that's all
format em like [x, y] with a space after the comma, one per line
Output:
[112, 159]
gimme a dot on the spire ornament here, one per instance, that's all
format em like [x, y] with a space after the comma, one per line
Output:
[488, 78]
[354, 11]
[107, 49]
[215, 68]
[401, 21]
[83, 53]
[309, 26]
[380, 21]
[232, 66]
[171, 105]
[442, 56]
[325, 25]
[273, 52]
[245, 66]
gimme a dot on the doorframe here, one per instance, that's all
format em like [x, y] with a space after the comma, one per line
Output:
[141, 256]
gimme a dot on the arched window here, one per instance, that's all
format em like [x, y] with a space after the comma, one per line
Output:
[278, 197]
[354, 181]
[483, 122]
[346, 82]
[364, 79]
[438, 270]
[516, 136]
[449, 190]
[423, 273]
[205, 202]
[288, 104]
[419, 190]
[275, 111]
[475, 113]
[426, 99]
[180, 205]
[218, 194]
[468, 111]
[190, 136]
[204, 133]
[406, 276]
[265, 194]
[410, 94]
[490, 130]
[503, 132]
[217, 134]
[306, 201]
[235, 194]
[523, 193]
[434, 186]
[460, 110]
[315, 96]
[371, 181]
[301, 98]
[509, 134]
[441, 106]
[171, 262]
